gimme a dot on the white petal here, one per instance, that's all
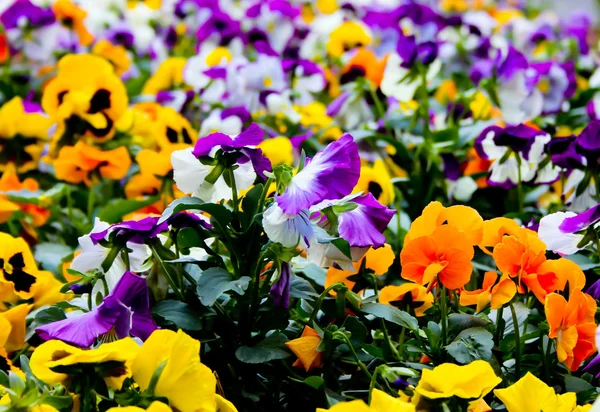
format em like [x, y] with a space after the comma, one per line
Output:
[188, 172]
[555, 240]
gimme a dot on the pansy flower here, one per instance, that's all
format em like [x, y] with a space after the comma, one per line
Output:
[86, 98]
[17, 327]
[82, 163]
[493, 292]
[307, 78]
[409, 294]
[376, 180]
[556, 82]
[346, 36]
[169, 75]
[376, 260]
[114, 53]
[20, 278]
[124, 311]
[229, 121]
[191, 174]
[572, 325]
[518, 397]
[111, 361]
[73, 18]
[305, 348]
[188, 384]
[516, 152]
[23, 134]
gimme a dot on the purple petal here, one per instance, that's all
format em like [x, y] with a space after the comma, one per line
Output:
[589, 139]
[85, 329]
[259, 162]
[335, 106]
[331, 174]
[581, 221]
[364, 225]
[594, 290]
[206, 144]
[280, 291]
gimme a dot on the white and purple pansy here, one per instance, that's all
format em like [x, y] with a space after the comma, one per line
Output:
[516, 153]
[190, 174]
[556, 81]
[562, 232]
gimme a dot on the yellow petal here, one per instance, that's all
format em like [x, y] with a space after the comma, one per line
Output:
[381, 401]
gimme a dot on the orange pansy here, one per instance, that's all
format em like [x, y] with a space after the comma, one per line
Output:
[378, 260]
[365, 62]
[73, 17]
[75, 163]
[464, 219]
[412, 294]
[305, 348]
[521, 256]
[494, 230]
[445, 255]
[495, 295]
[566, 272]
[572, 325]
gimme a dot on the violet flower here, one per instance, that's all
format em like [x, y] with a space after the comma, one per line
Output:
[21, 11]
[125, 311]
[280, 290]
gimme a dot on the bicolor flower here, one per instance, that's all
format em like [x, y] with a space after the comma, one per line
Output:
[409, 294]
[573, 326]
[556, 82]
[23, 133]
[193, 176]
[83, 164]
[516, 152]
[124, 311]
[377, 261]
[60, 355]
[377, 181]
[86, 98]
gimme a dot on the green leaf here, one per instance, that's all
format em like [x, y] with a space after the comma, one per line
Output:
[575, 384]
[314, 382]
[50, 255]
[189, 237]
[271, 348]
[250, 204]
[49, 315]
[343, 246]
[217, 212]
[302, 289]
[179, 313]
[114, 211]
[472, 344]
[215, 281]
[358, 331]
[391, 314]
[461, 321]
[62, 403]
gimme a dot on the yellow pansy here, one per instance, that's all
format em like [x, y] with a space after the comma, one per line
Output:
[382, 402]
[352, 406]
[446, 91]
[188, 384]
[85, 95]
[470, 381]
[481, 106]
[73, 17]
[377, 181]
[55, 353]
[412, 294]
[22, 136]
[16, 318]
[155, 406]
[278, 150]
[169, 75]
[532, 395]
[346, 36]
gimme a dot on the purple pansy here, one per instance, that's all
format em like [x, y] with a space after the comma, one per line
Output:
[364, 226]
[564, 153]
[331, 174]
[125, 311]
[136, 231]
[588, 142]
[556, 81]
[24, 11]
[280, 290]
[243, 143]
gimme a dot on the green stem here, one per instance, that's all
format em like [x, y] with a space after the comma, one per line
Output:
[499, 331]
[234, 192]
[544, 358]
[388, 340]
[90, 203]
[425, 104]
[444, 315]
[355, 355]
[319, 302]
[520, 198]
[166, 272]
[517, 341]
